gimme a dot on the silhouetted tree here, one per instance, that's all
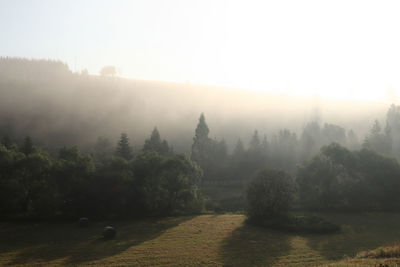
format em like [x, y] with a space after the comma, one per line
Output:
[124, 150]
[201, 142]
[72, 172]
[155, 144]
[238, 151]
[377, 140]
[166, 184]
[255, 145]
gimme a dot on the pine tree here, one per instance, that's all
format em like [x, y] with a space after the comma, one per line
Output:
[255, 142]
[201, 142]
[378, 140]
[123, 148]
[155, 144]
[238, 151]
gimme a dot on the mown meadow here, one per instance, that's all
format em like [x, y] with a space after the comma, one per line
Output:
[208, 240]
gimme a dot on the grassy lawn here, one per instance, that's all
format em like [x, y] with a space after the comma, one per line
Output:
[214, 240]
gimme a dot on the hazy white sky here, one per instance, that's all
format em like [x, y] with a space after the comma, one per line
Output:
[331, 48]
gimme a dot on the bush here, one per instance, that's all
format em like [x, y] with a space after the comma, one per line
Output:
[270, 194]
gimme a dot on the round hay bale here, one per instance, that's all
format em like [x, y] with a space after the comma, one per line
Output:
[109, 232]
[83, 222]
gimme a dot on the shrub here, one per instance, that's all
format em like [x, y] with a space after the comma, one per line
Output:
[270, 194]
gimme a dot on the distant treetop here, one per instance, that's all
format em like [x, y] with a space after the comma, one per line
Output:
[31, 69]
[108, 71]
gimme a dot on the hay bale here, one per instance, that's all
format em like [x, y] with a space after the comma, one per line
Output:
[83, 222]
[109, 232]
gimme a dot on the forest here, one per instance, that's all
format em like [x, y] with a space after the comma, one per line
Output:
[53, 166]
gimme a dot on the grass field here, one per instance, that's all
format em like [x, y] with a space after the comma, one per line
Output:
[213, 240]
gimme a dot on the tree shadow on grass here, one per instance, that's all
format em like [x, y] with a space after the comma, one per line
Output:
[251, 246]
[73, 245]
[359, 232]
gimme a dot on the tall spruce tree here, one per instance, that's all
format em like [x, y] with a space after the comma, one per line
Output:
[201, 142]
[124, 150]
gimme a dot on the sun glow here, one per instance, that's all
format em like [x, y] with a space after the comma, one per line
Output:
[339, 49]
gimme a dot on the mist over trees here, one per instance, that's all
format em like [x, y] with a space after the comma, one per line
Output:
[339, 179]
[62, 153]
[57, 107]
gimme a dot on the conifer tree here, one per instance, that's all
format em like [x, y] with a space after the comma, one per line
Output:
[201, 142]
[238, 151]
[124, 150]
[255, 142]
[155, 144]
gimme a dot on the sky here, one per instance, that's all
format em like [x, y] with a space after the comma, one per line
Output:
[341, 49]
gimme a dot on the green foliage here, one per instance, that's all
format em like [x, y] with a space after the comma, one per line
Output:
[269, 194]
[167, 184]
[210, 155]
[72, 172]
[338, 179]
[201, 142]
[25, 186]
[110, 192]
[74, 185]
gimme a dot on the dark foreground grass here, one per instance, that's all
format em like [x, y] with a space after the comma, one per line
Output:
[213, 240]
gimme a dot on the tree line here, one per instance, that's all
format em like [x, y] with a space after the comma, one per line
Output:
[285, 150]
[156, 182]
